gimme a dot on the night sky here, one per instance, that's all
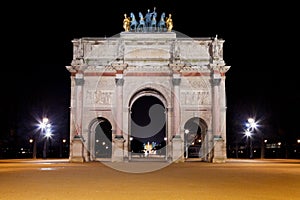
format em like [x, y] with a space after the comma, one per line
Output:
[261, 46]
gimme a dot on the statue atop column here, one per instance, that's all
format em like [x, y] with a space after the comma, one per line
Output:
[126, 23]
[169, 23]
[217, 48]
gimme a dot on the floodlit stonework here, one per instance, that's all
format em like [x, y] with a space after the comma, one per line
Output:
[186, 75]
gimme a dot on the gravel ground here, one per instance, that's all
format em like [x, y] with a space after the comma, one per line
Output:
[235, 179]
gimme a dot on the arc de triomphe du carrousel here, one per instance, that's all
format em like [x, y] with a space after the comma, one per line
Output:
[148, 93]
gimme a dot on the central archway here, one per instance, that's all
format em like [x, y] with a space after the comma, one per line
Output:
[147, 138]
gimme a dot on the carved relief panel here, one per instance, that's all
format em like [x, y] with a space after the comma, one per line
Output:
[98, 97]
[195, 97]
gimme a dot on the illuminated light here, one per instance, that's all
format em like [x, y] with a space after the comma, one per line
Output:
[48, 134]
[251, 123]
[45, 120]
[279, 143]
[199, 140]
[97, 141]
[64, 140]
[103, 143]
[42, 125]
[186, 131]
[298, 141]
[248, 133]
[31, 140]
[250, 120]
[131, 138]
[165, 138]
[265, 141]
[106, 147]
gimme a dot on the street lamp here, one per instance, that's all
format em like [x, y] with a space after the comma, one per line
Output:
[186, 131]
[46, 128]
[248, 134]
[62, 147]
[251, 125]
[31, 144]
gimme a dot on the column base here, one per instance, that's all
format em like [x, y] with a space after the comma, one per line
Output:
[77, 159]
[118, 149]
[177, 144]
[219, 150]
[76, 154]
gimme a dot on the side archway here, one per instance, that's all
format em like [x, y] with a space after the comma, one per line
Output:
[195, 130]
[100, 139]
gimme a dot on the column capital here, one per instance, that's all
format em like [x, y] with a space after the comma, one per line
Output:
[215, 77]
[176, 79]
[119, 81]
[79, 79]
[216, 82]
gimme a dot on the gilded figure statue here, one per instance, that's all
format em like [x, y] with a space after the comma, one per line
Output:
[169, 23]
[126, 23]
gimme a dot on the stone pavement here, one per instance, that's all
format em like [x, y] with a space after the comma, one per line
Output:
[235, 179]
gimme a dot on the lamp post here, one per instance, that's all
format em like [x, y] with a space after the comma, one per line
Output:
[248, 135]
[34, 145]
[251, 125]
[62, 147]
[31, 146]
[46, 128]
[186, 131]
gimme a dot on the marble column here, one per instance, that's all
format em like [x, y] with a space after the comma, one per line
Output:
[118, 148]
[77, 141]
[218, 140]
[223, 108]
[216, 108]
[178, 146]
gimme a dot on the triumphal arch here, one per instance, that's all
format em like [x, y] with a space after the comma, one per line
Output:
[148, 93]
